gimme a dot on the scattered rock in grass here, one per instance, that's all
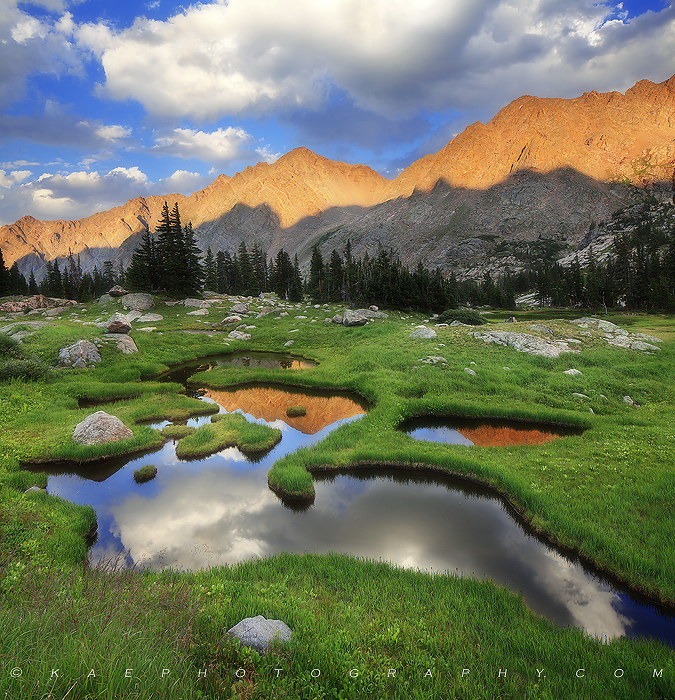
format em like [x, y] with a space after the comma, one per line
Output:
[512, 319]
[573, 372]
[150, 318]
[371, 313]
[238, 335]
[579, 396]
[126, 345]
[35, 489]
[79, 355]
[240, 308]
[288, 343]
[138, 300]
[259, 633]
[198, 312]
[327, 320]
[522, 342]
[541, 328]
[117, 291]
[133, 315]
[337, 319]
[118, 323]
[99, 428]
[422, 333]
[353, 318]
[199, 303]
[645, 347]
[468, 370]
[266, 310]
[146, 473]
[627, 400]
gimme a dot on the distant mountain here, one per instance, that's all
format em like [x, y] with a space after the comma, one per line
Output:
[542, 168]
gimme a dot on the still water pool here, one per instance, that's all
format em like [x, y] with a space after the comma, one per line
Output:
[219, 510]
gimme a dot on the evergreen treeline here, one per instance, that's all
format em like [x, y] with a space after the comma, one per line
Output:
[639, 273]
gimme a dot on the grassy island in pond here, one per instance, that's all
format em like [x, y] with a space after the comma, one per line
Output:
[605, 494]
[146, 473]
[231, 430]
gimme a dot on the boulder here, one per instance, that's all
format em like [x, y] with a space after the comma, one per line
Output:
[99, 428]
[81, 354]
[512, 319]
[265, 311]
[371, 313]
[198, 312]
[126, 345]
[150, 318]
[468, 370]
[541, 328]
[139, 300]
[353, 318]
[422, 333]
[259, 633]
[238, 335]
[118, 323]
[240, 308]
[373, 308]
[573, 372]
[133, 315]
[645, 347]
[522, 342]
[105, 299]
[117, 291]
[337, 319]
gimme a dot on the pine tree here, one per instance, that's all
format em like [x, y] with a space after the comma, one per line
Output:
[210, 272]
[143, 273]
[335, 277]
[295, 292]
[249, 282]
[316, 284]
[4, 277]
[192, 275]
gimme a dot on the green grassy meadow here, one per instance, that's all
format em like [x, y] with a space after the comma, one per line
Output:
[370, 629]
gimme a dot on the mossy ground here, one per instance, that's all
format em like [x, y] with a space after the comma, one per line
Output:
[607, 494]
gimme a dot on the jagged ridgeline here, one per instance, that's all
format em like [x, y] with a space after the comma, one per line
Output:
[500, 201]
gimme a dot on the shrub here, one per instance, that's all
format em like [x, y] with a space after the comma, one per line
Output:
[9, 347]
[469, 316]
[31, 368]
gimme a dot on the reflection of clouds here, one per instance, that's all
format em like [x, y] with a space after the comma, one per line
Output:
[196, 510]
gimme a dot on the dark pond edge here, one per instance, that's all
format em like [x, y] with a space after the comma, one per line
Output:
[517, 510]
[509, 419]
[235, 351]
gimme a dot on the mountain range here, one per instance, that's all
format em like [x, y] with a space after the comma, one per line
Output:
[542, 169]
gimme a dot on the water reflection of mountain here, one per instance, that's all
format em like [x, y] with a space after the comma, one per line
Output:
[270, 404]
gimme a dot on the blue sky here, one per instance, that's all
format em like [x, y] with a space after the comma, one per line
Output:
[104, 101]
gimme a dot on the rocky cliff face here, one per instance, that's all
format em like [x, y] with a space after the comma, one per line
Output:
[543, 168]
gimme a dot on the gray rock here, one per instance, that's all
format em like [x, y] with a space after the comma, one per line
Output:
[198, 303]
[81, 354]
[371, 313]
[522, 342]
[374, 308]
[468, 370]
[238, 335]
[259, 633]
[422, 333]
[327, 320]
[628, 400]
[35, 489]
[573, 372]
[126, 345]
[353, 318]
[512, 319]
[645, 347]
[265, 311]
[117, 291]
[133, 315]
[288, 343]
[139, 300]
[579, 396]
[337, 319]
[198, 312]
[541, 328]
[99, 428]
[150, 318]
[105, 299]
[648, 338]
[118, 323]
[240, 308]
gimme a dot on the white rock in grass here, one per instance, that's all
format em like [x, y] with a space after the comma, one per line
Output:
[99, 428]
[259, 633]
[573, 372]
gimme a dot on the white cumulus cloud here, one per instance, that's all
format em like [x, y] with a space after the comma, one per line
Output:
[220, 146]
[392, 57]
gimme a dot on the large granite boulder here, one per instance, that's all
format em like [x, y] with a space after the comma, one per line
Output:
[81, 354]
[238, 335]
[118, 323]
[99, 428]
[353, 318]
[259, 633]
[523, 342]
[139, 300]
[126, 345]
[150, 318]
[117, 291]
[241, 308]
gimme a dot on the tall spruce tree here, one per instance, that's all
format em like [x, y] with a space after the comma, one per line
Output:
[4, 277]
